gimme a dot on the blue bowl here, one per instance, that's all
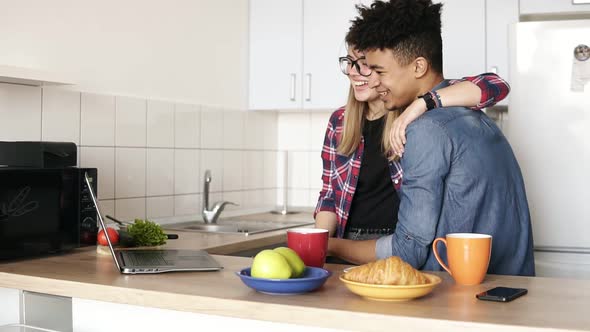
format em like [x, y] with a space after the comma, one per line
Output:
[312, 279]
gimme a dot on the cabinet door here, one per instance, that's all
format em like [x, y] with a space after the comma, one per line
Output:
[500, 15]
[325, 25]
[275, 54]
[463, 36]
[543, 7]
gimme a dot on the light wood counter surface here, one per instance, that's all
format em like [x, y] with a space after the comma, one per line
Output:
[551, 305]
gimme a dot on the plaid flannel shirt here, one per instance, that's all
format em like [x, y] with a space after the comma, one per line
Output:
[340, 173]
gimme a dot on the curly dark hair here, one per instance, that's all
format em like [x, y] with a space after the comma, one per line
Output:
[410, 28]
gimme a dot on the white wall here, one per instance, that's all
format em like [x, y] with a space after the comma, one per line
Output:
[192, 51]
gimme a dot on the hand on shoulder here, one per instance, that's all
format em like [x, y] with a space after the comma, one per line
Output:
[398, 132]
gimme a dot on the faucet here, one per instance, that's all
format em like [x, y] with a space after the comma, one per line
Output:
[210, 215]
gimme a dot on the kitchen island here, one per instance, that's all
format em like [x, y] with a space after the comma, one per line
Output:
[213, 298]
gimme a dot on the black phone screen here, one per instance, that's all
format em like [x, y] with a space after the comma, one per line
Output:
[501, 294]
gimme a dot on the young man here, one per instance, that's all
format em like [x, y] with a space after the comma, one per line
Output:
[460, 175]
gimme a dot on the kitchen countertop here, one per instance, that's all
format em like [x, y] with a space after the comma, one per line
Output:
[552, 304]
[226, 243]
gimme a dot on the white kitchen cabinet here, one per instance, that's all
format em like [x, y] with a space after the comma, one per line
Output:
[276, 40]
[294, 50]
[29, 76]
[475, 37]
[464, 37]
[10, 304]
[500, 15]
[543, 7]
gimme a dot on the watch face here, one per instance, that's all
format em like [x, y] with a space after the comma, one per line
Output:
[582, 52]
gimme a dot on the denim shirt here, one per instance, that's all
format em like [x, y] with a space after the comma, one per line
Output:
[460, 176]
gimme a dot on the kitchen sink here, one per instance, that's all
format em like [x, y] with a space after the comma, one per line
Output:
[245, 227]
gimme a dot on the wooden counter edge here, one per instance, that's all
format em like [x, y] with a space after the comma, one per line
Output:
[279, 313]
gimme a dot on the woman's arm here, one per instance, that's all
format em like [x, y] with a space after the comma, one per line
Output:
[325, 211]
[476, 92]
[326, 220]
[493, 90]
[357, 252]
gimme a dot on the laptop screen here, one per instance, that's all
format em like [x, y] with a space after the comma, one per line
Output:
[101, 221]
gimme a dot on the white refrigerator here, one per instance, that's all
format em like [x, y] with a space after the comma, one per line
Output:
[548, 127]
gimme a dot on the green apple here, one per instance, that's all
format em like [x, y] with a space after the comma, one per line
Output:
[293, 259]
[271, 265]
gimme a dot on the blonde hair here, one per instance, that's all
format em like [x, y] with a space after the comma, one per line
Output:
[354, 120]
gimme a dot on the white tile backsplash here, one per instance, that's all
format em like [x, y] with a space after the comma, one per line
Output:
[187, 204]
[97, 120]
[104, 160]
[233, 129]
[212, 160]
[315, 169]
[302, 134]
[298, 169]
[295, 131]
[305, 163]
[61, 115]
[107, 207]
[253, 175]
[313, 197]
[160, 124]
[298, 197]
[270, 169]
[270, 130]
[158, 207]
[254, 131]
[319, 123]
[130, 122]
[233, 166]
[160, 172]
[212, 128]
[151, 155]
[20, 113]
[187, 123]
[129, 209]
[270, 198]
[253, 199]
[130, 170]
[236, 197]
[186, 171]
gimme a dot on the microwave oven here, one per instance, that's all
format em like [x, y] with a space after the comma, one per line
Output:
[45, 211]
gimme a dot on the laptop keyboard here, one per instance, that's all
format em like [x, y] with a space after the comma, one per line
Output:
[145, 259]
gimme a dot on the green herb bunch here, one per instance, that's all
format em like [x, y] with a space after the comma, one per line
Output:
[146, 233]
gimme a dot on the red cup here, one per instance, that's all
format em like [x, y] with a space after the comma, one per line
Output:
[311, 244]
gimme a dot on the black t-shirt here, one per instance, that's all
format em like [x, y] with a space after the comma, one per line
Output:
[375, 203]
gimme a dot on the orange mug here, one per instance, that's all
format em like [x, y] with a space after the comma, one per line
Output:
[468, 255]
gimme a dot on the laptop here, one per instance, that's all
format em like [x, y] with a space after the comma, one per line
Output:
[146, 261]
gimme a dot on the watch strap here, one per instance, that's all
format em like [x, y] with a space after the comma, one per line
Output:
[432, 100]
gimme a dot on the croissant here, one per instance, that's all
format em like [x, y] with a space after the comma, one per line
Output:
[389, 271]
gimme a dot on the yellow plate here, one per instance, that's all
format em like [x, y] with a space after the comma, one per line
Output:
[392, 292]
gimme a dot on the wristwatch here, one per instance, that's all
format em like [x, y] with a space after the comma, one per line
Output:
[429, 100]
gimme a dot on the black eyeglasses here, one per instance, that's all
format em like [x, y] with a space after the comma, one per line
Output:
[346, 63]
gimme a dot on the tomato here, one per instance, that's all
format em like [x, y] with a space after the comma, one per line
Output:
[113, 236]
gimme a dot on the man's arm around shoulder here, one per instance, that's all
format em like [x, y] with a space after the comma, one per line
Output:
[426, 163]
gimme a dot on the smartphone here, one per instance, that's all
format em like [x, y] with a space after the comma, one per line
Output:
[501, 294]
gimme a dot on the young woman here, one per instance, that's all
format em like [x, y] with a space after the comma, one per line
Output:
[363, 142]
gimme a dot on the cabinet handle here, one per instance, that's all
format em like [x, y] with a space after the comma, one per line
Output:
[293, 79]
[308, 84]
